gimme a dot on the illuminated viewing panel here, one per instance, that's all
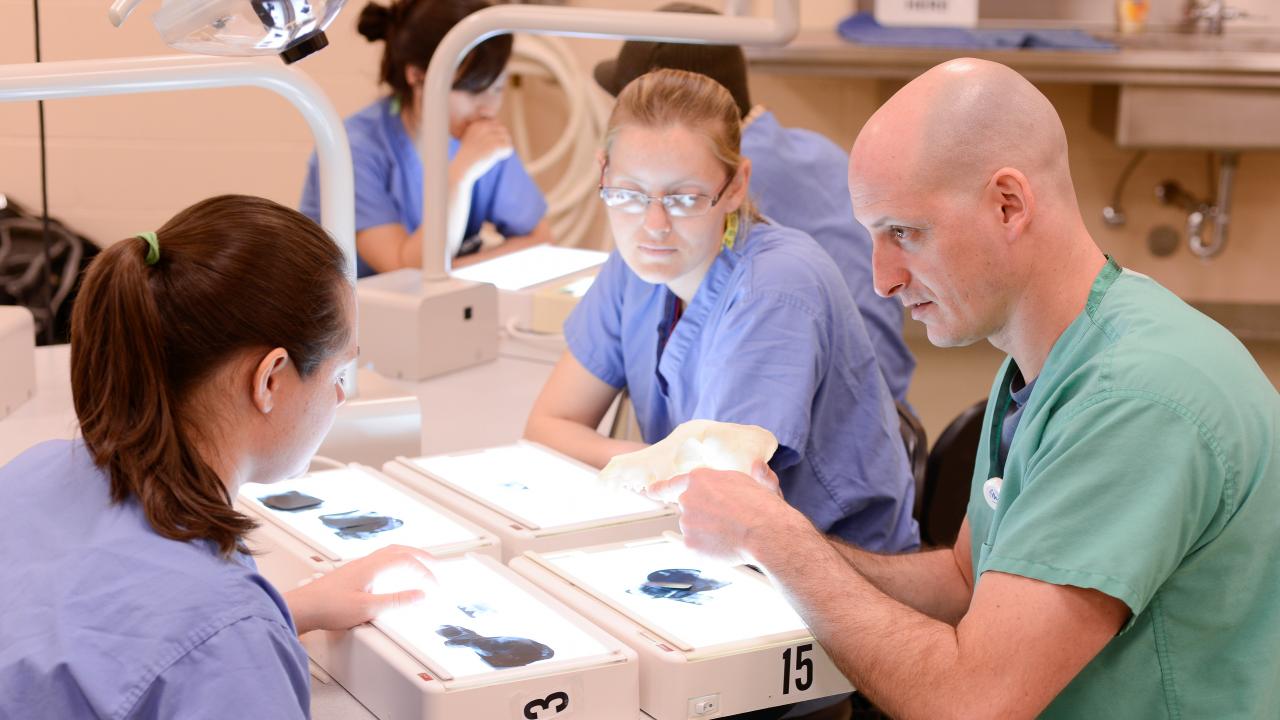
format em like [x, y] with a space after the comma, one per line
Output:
[348, 513]
[683, 596]
[526, 268]
[578, 288]
[535, 486]
[477, 621]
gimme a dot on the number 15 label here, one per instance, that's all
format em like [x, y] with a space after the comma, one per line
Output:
[801, 675]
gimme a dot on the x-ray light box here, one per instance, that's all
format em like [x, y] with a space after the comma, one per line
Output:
[534, 266]
[485, 644]
[528, 282]
[713, 639]
[533, 498]
[321, 520]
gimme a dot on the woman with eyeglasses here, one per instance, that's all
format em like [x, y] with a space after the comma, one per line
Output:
[487, 182]
[706, 310]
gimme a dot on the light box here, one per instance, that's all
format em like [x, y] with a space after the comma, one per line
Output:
[477, 621]
[364, 511]
[533, 498]
[709, 635]
[486, 644]
[534, 266]
[350, 494]
[529, 320]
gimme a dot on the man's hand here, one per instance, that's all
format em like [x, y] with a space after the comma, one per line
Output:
[344, 598]
[722, 512]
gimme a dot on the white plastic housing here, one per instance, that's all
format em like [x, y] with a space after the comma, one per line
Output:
[17, 358]
[741, 648]
[293, 547]
[592, 675]
[533, 498]
[414, 330]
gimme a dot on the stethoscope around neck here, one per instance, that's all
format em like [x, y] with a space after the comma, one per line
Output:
[995, 467]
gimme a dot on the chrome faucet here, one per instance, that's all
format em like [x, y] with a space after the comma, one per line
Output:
[1215, 13]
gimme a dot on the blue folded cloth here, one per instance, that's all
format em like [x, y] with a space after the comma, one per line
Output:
[863, 29]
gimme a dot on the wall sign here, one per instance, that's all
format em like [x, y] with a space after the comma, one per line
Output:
[927, 13]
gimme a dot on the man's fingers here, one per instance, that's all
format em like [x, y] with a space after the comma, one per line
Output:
[761, 471]
[668, 490]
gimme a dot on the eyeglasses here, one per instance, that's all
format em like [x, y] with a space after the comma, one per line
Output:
[634, 202]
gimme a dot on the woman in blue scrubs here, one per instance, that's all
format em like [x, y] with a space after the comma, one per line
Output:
[204, 355]
[707, 310]
[487, 183]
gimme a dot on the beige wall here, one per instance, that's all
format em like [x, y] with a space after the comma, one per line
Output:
[120, 165]
[1245, 272]
[117, 165]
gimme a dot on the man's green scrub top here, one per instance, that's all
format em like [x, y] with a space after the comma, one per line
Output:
[1146, 465]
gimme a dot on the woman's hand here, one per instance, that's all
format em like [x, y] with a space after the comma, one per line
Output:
[344, 598]
[483, 144]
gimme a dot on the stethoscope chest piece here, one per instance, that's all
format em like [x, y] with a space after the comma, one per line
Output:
[991, 491]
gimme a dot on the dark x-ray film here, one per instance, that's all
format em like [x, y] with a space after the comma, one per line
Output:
[358, 525]
[291, 501]
[475, 620]
[681, 594]
[497, 652]
[357, 513]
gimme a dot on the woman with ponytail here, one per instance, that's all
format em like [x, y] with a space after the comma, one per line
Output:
[204, 355]
[706, 310]
[487, 183]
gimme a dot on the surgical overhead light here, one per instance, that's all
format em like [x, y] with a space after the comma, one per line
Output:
[292, 29]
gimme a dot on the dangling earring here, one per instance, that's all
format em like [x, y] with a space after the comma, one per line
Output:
[730, 230]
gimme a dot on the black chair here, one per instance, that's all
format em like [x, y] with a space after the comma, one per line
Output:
[947, 477]
[917, 444]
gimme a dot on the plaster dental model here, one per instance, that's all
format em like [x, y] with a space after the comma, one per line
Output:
[692, 445]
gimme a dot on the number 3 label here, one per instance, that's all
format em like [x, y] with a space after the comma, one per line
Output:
[803, 679]
[548, 707]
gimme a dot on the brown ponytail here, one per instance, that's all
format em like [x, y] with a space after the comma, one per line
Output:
[235, 273]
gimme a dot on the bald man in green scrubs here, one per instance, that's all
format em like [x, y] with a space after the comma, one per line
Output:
[1121, 552]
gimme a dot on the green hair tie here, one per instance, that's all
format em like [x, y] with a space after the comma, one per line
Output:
[153, 247]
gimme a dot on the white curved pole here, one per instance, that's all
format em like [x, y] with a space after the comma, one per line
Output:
[126, 76]
[433, 139]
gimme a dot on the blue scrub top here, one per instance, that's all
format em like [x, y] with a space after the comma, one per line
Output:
[771, 338]
[102, 617]
[800, 179]
[388, 180]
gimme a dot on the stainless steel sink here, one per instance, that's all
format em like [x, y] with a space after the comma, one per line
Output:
[1239, 41]
[1211, 118]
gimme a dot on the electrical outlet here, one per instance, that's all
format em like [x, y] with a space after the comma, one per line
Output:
[705, 706]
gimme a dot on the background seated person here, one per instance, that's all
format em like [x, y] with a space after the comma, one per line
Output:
[487, 183]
